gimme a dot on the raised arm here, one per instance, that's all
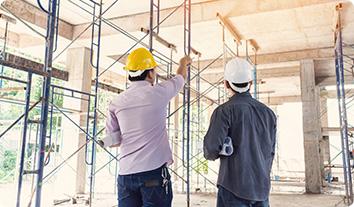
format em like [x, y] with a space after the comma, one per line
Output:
[171, 87]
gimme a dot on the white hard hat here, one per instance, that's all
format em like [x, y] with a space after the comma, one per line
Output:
[238, 70]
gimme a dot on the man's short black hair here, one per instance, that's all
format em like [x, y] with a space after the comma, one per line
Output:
[240, 85]
[140, 77]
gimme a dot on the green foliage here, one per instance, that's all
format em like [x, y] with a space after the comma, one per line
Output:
[202, 166]
[13, 111]
[7, 165]
[9, 162]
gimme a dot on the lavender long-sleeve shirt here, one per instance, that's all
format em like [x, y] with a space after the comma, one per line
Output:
[137, 122]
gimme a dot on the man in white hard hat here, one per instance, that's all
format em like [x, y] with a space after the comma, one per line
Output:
[137, 124]
[244, 174]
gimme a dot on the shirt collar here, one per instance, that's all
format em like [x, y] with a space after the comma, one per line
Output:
[135, 84]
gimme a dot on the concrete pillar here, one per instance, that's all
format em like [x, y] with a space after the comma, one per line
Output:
[324, 142]
[310, 96]
[80, 74]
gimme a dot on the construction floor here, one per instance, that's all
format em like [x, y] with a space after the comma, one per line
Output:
[331, 198]
[278, 200]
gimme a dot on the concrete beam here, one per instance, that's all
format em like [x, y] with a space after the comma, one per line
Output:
[13, 39]
[24, 64]
[278, 72]
[327, 130]
[35, 16]
[202, 12]
[295, 55]
[325, 71]
[331, 80]
[332, 94]
[20, 63]
[213, 77]
[278, 100]
[310, 95]
[271, 58]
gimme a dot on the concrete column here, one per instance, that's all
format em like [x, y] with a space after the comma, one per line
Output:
[310, 96]
[324, 142]
[80, 74]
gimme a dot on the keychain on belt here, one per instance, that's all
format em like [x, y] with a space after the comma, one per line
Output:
[164, 175]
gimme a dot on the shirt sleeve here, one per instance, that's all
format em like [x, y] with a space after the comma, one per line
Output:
[274, 134]
[113, 134]
[170, 88]
[217, 132]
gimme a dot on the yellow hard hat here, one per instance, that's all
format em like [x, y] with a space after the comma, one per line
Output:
[140, 59]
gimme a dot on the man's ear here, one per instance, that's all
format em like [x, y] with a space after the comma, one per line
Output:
[151, 74]
[227, 84]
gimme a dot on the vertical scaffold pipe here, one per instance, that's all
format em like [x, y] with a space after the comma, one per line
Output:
[198, 117]
[24, 137]
[3, 52]
[96, 66]
[51, 23]
[187, 51]
[169, 72]
[255, 83]
[151, 25]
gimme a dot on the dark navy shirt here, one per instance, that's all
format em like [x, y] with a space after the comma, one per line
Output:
[252, 127]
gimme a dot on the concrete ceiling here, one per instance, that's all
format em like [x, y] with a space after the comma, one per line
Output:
[286, 31]
[70, 12]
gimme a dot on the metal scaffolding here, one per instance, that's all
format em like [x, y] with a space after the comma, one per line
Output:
[192, 129]
[344, 65]
[196, 102]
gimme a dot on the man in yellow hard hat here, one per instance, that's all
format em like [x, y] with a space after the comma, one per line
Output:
[137, 124]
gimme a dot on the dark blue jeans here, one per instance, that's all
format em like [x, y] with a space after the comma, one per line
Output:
[228, 199]
[144, 189]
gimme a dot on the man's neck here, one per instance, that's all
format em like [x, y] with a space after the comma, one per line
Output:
[234, 94]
